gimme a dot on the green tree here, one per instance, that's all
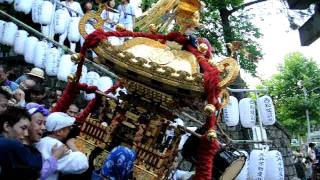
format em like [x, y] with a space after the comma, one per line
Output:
[227, 21]
[288, 97]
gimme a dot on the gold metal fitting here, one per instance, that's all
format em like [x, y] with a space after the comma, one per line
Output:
[209, 109]
[212, 135]
[120, 27]
[71, 78]
[152, 28]
[75, 57]
[203, 48]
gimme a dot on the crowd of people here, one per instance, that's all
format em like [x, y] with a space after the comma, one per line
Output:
[307, 162]
[38, 144]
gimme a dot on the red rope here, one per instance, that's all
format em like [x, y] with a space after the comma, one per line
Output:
[94, 103]
[206, 152]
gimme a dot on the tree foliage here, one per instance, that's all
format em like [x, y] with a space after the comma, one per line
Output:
[289, 97]
[226, 21]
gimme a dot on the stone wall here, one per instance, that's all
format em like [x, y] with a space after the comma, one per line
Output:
[280, 141]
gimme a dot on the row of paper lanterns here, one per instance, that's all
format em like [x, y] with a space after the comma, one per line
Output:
[245, 111]
[43, 12]
[262, 165]
[42, 55]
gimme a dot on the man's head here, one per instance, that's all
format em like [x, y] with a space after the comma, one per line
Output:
[14, 124]
[312, 145]
[59, 124]
[58, 94]
[37, 93]
[27, 84]
[36, 74]
[88, 6]
[3, 74]
[73, 110]
[38, 115]
[111, 3]
[4, 98]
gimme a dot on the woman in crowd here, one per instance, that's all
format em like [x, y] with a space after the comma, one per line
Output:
[111, 20]
[117, 166]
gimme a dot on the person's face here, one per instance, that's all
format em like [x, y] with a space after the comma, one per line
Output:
[58, 94]
[63, 133]
[37, 127]
[124, 1]
[88, 6]
[27, 84]
[73, 111]
[112, 3]
[36, 97]
[3, 103]
[18, 131]
[3, 75]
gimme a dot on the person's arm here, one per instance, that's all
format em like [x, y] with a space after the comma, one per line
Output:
[73, 163]
[49, 167]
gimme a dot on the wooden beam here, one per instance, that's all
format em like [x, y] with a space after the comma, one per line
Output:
[300, 4]
[310, 31]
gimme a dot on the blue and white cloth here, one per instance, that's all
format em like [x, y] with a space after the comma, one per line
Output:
[118, 165]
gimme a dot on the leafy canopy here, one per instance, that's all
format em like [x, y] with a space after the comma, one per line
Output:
[288, 97]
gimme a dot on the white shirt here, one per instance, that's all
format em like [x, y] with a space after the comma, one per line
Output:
[311, 154]
[126, 14]
[73, 5]
[114, 17]
[71, 163]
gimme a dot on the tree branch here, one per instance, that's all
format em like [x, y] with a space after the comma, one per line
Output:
[246, 5]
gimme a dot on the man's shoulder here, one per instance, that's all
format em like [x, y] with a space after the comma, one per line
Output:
[9, 144]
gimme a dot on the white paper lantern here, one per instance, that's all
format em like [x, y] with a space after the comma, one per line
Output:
[39, 56]
[244, 173]
[92, 80]
[23, 6]
[266, 110]
[73, 29]
[36, 8]
[29, 46]
[247, 110]
[84, 73]
[52, 61]
[9, 33]
[46, 13]
[2, 23]
[274, 165]
[104, 83]
[65, 67]
[45, 30]
[257, 165]
[19, 41]
[61, 21]
[231, 112]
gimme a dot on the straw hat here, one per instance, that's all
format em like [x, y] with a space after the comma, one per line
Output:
[37, 72]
